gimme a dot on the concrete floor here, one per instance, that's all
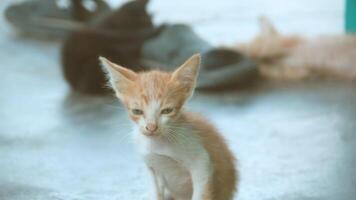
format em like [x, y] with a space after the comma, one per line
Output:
[294, 141]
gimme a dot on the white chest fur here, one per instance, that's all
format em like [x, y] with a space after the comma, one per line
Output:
[177, 166]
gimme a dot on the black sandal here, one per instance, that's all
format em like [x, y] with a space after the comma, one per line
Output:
[48, 19]
[118, 36]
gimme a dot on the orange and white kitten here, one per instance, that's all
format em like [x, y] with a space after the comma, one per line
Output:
[294, 57]
[187, 157]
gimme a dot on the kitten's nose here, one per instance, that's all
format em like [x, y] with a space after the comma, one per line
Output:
[151, 127]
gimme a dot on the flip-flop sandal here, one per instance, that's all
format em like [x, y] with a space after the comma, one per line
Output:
[48, 19]
[220, 67]
[128, 37]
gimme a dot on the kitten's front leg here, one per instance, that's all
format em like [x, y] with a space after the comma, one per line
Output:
[157, 190]
[201, 177]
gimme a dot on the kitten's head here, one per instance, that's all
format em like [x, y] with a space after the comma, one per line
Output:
[269, 43]
[153, 99]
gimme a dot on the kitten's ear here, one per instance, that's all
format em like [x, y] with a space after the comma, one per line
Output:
[120, 78]
[267, 29]
[187, 74]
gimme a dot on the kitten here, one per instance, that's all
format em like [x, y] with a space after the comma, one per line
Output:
[186, 156]
[294, 57]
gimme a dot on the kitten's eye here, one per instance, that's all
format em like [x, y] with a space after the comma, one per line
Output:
[166, 111]
[137, 111]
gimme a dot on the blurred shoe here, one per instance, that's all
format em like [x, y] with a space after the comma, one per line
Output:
[48, 19]
[118, 36]
[220, 67]
[128, 37]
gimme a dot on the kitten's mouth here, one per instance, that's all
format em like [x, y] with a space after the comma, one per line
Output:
[151, 134]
